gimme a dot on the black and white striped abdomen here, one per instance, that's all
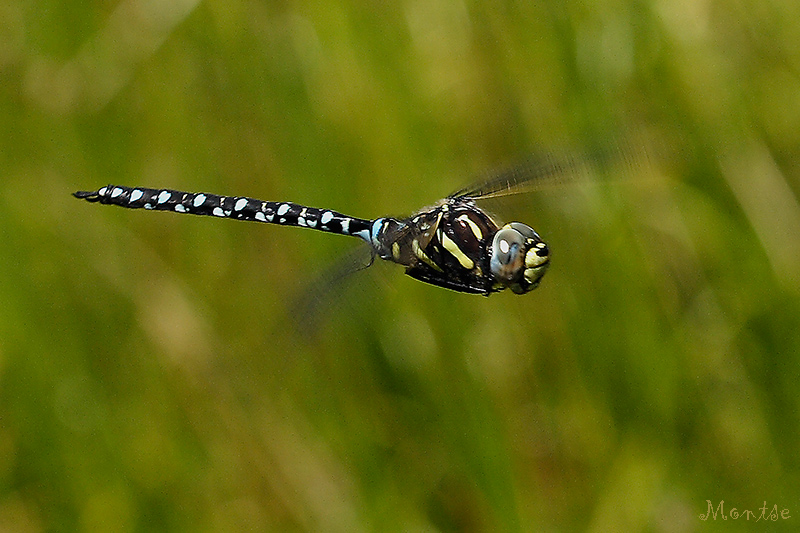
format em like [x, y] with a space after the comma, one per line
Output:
[236, 207]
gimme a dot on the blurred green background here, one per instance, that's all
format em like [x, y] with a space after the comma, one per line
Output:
[152, 377]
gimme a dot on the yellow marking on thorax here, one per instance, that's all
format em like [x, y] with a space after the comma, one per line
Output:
[472, 225]
[453, 248]
[421, 255]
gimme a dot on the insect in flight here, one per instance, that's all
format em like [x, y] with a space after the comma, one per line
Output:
[454, 244]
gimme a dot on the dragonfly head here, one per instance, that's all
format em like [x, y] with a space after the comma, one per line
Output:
[519, 257]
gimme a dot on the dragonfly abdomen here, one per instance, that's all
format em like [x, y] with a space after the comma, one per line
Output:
[236, 207]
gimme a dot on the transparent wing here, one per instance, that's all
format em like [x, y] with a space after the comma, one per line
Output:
[321, 293]
[547, 169]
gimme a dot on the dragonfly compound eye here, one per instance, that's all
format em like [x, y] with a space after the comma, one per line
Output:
[519, 257]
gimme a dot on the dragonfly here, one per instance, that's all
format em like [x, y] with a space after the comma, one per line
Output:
[454, 244]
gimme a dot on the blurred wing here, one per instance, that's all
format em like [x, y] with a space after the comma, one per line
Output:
[320, 294]
[547, 169]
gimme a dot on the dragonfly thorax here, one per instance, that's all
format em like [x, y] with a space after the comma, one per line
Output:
[457, 245]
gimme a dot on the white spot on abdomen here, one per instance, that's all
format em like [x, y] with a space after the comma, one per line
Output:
[164, 196]
[241, 203]
[283, 209]
[327, 216]
[136, 194]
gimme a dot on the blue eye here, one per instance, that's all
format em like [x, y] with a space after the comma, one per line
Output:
[519, 258]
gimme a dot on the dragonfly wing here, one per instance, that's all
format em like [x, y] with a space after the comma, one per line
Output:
[547, 169]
